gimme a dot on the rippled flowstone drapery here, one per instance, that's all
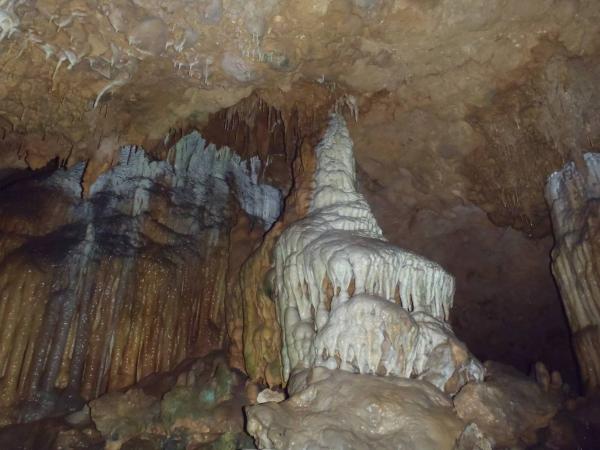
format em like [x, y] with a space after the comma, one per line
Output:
[97, 293]
[573, 195]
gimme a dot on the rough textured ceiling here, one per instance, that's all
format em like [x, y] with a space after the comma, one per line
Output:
[465, 108]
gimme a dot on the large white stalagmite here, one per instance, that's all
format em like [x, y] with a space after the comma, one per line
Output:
[343, 292]
[574, 198]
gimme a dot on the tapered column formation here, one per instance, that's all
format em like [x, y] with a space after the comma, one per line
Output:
[573, 195]
[344, 294]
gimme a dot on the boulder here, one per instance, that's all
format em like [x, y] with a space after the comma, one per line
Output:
[508, 407]
[334, 409]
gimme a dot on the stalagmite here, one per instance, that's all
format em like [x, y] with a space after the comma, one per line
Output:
[338, 282]
[573, 195]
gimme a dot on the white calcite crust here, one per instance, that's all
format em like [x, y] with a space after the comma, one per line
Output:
[338, 250]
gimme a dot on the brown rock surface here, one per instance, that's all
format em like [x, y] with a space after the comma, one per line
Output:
[507, 407]
[199, 403]
[119, 285]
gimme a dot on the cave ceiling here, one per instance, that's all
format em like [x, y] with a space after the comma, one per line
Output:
[459, 110]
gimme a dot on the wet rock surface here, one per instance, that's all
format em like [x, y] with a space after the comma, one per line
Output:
[573, 195]
[198, 405]
[459, 111]
[464, 109]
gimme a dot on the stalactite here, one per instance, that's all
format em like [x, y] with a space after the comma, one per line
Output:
[573, 195]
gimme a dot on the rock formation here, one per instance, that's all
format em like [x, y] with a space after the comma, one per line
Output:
[198, 403]
[126, 282]
[344, 298]
[334, 268]
[456, 100]
[573, 195]
[509, 408]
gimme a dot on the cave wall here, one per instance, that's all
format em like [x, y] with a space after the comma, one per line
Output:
[255, 332]
[102, 291]
[459, 110]
[79, 71]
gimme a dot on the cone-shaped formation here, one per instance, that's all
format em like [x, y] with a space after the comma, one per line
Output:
[574, 198]
[338, 251]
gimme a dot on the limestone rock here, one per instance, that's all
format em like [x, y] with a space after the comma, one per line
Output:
[338, 250]
[473, 439]
[81, 417]
[207, 407]
[127, 281]
[269, 395]
[507, 407]
[339, 410]
[76, 439]
[367, 334]
[150, 36]
[198, 404]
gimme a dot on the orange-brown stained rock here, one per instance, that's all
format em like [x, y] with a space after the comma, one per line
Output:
[508, 407]
[97, 293]
[261, 332]
[573, 194]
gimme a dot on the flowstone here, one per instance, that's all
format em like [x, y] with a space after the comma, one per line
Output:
[99, 292]
[344, 294]
[352, 306]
